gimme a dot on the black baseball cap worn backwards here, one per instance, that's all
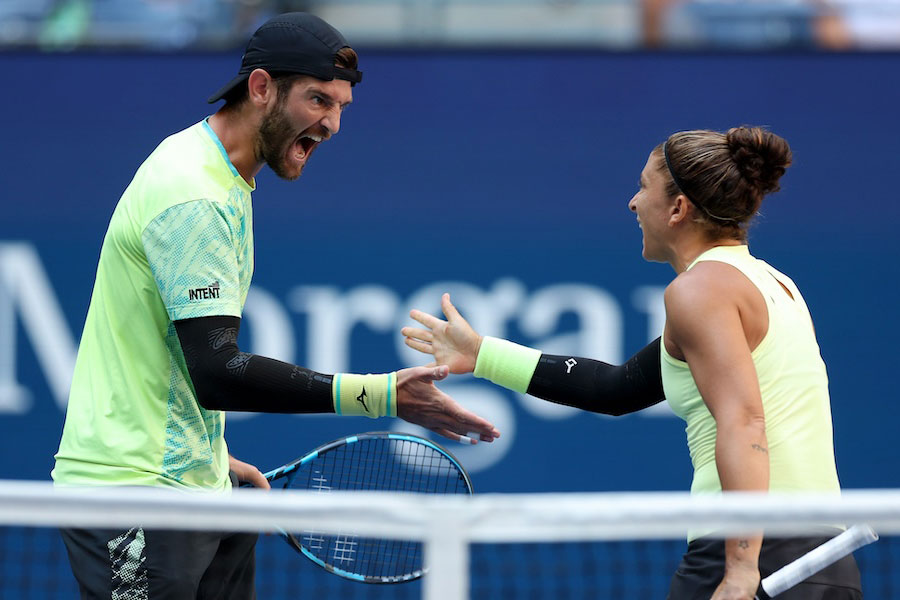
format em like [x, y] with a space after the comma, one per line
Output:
[294, 42]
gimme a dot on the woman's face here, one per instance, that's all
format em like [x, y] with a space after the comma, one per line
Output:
[652, 206]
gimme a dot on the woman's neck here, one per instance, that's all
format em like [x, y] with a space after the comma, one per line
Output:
[687, 251]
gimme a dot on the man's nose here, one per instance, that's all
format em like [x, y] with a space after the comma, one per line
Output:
[332, 121]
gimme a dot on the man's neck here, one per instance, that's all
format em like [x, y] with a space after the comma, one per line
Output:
[237, 133]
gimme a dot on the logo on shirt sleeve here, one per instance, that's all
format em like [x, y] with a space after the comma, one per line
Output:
[205, 293]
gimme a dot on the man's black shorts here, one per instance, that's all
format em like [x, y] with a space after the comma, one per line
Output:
[167, 565]
[703, 566]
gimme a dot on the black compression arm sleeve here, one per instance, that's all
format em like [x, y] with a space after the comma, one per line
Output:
[600, 387]
[225, 378]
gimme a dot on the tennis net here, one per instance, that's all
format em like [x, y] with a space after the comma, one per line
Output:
[511, 545]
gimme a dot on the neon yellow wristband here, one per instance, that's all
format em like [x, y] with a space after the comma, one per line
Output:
[506, 363]
[365, 395]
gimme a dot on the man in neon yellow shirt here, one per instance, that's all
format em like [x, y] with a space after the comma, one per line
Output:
[159, 363]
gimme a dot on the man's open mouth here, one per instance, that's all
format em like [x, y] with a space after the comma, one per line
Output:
[305, 144]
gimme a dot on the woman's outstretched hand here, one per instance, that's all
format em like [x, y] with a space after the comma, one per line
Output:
[452, 342]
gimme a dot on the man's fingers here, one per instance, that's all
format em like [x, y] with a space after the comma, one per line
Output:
[456, 437]
[430, 373]
[260, 481]
[483, 428]
[440, 372]
[466, 429]
[420, 346]
[470, 422]
[425, 319]
[256, 479]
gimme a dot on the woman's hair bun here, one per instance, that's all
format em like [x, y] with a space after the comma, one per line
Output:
[761, 156]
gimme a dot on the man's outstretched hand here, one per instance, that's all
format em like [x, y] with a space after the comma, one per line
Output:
[420, 402]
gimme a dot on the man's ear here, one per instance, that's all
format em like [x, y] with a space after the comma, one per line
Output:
[261, 87]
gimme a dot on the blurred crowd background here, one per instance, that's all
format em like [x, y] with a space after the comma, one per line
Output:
[64, 25]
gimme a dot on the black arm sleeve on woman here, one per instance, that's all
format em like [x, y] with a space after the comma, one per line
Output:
[600, 387]
[225, 378]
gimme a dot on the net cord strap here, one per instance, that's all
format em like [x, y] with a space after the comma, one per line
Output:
[484, 517]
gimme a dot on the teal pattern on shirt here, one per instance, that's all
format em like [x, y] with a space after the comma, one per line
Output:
[201, 257]
[191, 430]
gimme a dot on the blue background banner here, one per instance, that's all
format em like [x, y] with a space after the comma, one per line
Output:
[500, 177]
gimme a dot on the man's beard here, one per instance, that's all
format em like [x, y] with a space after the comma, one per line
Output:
[275, 137]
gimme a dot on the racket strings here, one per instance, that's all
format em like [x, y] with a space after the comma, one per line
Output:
[376, 463]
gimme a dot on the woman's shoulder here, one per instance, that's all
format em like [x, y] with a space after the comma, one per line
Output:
[706, 277]
[706, 288]
[710, 292]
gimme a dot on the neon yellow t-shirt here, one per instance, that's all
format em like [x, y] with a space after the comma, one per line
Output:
[179, 245]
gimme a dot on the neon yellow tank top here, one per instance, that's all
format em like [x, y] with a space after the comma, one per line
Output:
[792, 381]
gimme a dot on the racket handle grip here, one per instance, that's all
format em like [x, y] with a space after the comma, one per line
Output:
[815, 560]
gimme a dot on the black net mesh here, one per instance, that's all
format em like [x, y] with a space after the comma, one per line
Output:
[33, 566]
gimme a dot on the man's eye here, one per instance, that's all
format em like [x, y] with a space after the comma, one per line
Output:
[318, 100]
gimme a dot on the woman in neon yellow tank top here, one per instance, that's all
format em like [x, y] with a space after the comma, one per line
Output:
[738, 359]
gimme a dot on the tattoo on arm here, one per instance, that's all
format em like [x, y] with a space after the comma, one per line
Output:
[743, 544]
[760, 448]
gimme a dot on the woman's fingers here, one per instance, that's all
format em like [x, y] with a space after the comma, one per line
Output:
[449, 310]
[419, 345]
[425, 319]
[423, 335]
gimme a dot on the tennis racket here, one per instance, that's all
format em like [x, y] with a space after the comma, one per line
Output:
[370, 461]
[815, 560]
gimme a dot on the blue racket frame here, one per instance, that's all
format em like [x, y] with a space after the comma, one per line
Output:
[289, 471]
